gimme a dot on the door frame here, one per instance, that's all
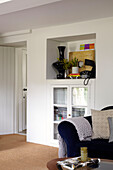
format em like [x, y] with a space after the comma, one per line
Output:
[18, 114]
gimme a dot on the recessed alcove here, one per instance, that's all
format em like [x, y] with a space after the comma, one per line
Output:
[72, 44]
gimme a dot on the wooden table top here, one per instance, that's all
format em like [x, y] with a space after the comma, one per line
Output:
[52, 165]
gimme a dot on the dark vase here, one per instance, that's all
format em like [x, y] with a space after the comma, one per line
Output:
[59, 65]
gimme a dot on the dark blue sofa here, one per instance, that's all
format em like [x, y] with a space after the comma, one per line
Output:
[97, 148]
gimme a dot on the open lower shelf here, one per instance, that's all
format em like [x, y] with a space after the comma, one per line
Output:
[56, 121]
[60, 105]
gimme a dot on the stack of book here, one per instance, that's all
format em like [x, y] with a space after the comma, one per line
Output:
[74, 76]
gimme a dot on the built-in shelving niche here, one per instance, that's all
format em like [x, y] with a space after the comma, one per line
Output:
[72, 44]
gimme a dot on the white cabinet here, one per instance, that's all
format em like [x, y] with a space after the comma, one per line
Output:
[70, 101]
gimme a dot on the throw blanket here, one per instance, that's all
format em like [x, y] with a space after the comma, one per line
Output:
[84, 131]
[62, 148]
[82, 126]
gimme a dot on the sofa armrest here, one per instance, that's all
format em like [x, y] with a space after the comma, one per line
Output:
[68, 131]
[69, 134]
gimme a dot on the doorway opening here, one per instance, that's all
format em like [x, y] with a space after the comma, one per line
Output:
[18, 93]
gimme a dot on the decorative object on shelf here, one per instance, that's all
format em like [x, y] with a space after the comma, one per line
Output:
[74, 63]
[67, 66]
[75, 70]
[82, 46]
[66, 74]
[62, 65]
[80, 64]
[87, 46]
[74, 76]
[91, 46]
[59, 65]
[81, 56]
[86, 74]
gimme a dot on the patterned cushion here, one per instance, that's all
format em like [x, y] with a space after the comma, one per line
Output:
[100, 123]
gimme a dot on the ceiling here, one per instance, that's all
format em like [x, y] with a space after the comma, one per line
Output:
[30, 14]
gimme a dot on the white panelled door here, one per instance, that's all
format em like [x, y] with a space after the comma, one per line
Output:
[7, 69]
[20, 89]
[24, 82]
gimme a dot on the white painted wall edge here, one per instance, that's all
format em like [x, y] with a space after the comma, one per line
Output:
[22, 32]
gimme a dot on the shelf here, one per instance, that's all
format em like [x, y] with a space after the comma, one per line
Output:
[59, 105]
[57, 121]
[76, 106]
[73, 82]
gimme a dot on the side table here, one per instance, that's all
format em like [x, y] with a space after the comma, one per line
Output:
[105, 163]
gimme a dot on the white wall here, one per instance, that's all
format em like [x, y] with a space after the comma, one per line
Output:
[38, 116]
[7, 90]
[52, 56]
